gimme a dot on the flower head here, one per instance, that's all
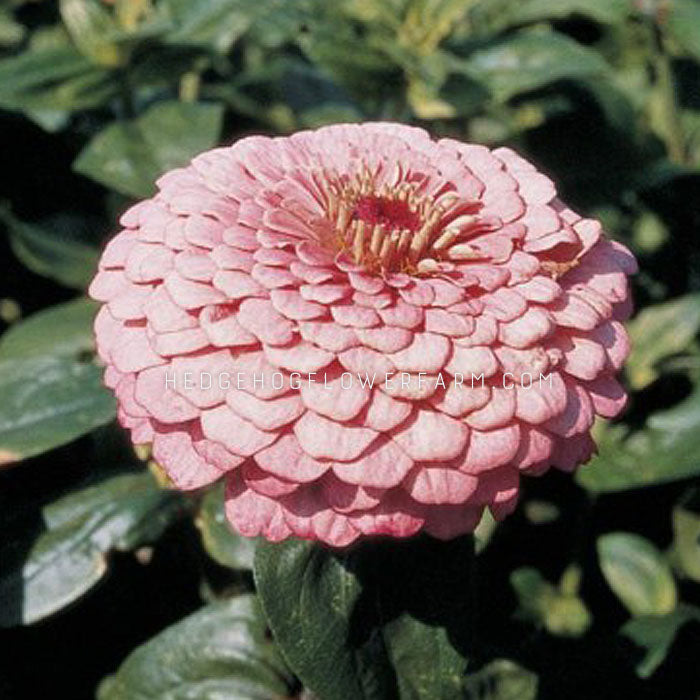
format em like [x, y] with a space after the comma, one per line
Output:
[294, 315]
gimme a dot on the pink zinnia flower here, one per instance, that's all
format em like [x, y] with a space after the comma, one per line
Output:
[361, 249]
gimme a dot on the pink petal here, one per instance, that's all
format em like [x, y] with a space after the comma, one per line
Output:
[266, 414]
[535, 446]
[298, 357]
[608, 396]
[286, 460]
[366, 362]
[354, 316]
[427, 352]
[174, 452]
[322, 438]
[577, 417]
[448, 521]
[430, 435]
[458, 399]
[583, 357]
[272, 277]
[385, 412]
[446, 323]
[383, 465]
[328, 335]
[490, 449]
[385, 339]
[260, 318]
[237, 285]
[346, 498]
[265, 484]
[164, 314]
[237, 434]
[253, 514]
[292, 305]
[472, 362]
[499, 411]
[531, 327]
[192, 295]
[222, 329]
[132, 351]
[402, 315]
[338, 397]
[540, 402]
[439, 485]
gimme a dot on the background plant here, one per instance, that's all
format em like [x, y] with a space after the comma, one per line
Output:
[589, 590]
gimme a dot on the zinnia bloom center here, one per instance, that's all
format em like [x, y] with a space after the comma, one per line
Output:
[400, 227]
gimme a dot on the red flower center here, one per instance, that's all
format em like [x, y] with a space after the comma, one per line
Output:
[392, 213]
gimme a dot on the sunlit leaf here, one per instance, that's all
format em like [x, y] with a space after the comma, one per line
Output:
[529, 60]
[129, 156]
[656, 634]
[46, 570]
[216, 24]
[664, 450]
[53, 248]
[501, 679]
[683, 24]
[52, 390]
[561, 612]
[90, 25]
[55, 78]
[221, 651]
[637, 573]
[11, 31]
[659, 331]
[507, 13]
[72, 334]
[686, 536]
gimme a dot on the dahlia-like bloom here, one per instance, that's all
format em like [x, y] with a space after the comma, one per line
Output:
[361, 251]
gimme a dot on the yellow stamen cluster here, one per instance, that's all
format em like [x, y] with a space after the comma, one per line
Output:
[418, 249]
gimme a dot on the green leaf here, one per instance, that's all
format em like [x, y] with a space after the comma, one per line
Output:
[502, 679]
[683, 24]
[52, 391]
[310, 598]
[216, 24]
[221, 651]
[686, 536]
[530, 60]
[44, 572]
[129, 156]
[561, 612]
[656, 633]
[52, 249]
[528, 11]
[225, 546]
[11, 32]
[665, 450]
[367, 610]
[63, 330]
[55, 78]
[409, 642]
[637, 573]
[660, 331]
[91, 25]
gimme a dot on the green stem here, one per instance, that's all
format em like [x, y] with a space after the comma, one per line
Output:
[189, 87]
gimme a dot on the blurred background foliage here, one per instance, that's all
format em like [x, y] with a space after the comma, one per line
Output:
[592, 589]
